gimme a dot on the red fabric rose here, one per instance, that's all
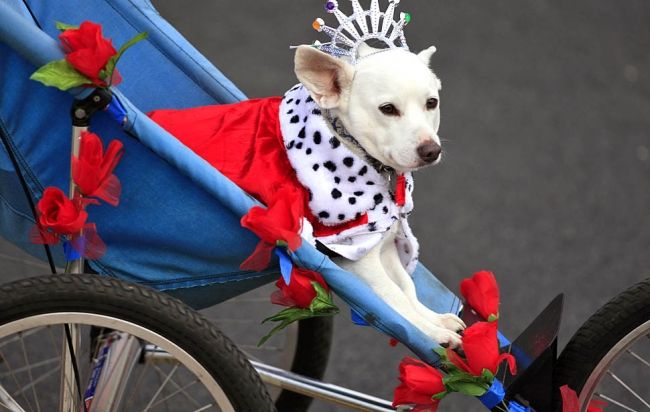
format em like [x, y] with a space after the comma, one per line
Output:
[92, 171]
[280, 221]
[299, 292]
[481, 293]
[88, 51]
[60, 214]
[481, 348]
[419, 383]
[571, 403]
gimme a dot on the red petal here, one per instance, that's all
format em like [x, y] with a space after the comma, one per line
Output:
[458, 361]
[259, 259]
[109, 191]
[481, 347]
[512, 362]
[92, 246]
[570, 402]
[481, 293]
[39, 236]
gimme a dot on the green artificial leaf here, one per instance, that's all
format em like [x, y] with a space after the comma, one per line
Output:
[64, 26]
[285, 317]
[470, 388]
[323, 302]
[440, 395]
[322, 305]
[488, 376]
[441, 352]
[59, 74]
[112, 62]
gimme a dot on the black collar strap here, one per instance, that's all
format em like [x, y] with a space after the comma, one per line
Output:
[342, 133]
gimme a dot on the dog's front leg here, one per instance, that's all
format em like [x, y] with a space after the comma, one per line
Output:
[371, 271]
[392, 264]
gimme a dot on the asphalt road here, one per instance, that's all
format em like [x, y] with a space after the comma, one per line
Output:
[546, 173]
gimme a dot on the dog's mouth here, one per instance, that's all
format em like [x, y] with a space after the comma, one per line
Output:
[411, 167]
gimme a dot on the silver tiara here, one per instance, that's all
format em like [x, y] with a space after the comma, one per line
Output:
[354, 30]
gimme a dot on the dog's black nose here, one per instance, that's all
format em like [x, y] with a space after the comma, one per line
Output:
[429, 151]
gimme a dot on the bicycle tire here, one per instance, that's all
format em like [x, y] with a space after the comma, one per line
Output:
[310, 359]
[594, 342]
[157, 312]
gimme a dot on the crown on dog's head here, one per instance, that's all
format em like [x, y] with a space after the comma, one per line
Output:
[354, 30]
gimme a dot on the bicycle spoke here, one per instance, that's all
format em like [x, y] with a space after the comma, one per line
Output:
[32, 366]
[177, 386]
[639, 358]
[138, 382]
[181, 389]
[13, 377]
[204, 408]
[35, 382]
[623, 384]
[615, 402]
[160, 389]
[16, 338]
[29, 373]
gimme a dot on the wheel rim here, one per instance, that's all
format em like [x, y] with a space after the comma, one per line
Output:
[39, 326]
[615, 377]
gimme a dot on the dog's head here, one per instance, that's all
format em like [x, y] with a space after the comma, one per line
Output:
[388, 101]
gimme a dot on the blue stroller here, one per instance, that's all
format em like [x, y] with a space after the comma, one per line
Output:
[115, 341]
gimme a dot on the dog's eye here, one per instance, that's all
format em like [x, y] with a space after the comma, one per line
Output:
[389, 109]
[432, 103]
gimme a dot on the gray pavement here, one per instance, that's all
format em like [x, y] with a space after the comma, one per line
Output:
[546, 177]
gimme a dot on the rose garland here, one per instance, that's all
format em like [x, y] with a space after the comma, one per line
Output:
[90, 61]
[471, 373]
[63, 219]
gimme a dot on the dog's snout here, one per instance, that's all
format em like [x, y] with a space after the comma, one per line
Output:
[429, 151]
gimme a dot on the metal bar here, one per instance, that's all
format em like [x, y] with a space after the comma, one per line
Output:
[122, 357]
[77, 265]
[320, 390]
[8, 401]
[69, 396]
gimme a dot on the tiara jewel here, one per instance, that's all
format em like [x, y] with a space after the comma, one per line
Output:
[353, 30]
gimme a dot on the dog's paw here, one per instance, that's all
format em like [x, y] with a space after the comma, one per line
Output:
[446, 338]
[451, 322]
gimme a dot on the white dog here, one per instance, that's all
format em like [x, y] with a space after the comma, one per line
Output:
[384, 109]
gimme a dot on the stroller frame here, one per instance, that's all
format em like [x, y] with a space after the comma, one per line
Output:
[29, 46]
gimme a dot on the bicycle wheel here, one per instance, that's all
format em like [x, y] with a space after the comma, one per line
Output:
[302, 348]
[138, 349]
[608, 358]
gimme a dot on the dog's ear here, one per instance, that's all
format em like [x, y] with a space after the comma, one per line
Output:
[364, 50]
[425, 55]
[326, 77]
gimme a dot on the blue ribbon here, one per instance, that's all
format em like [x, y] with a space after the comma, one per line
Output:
[494, 395]
[116, 111]
[70, 252]
[517, 407]
[358, 319]
[286, 265]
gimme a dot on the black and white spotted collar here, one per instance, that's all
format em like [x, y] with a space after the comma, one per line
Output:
[341, 184]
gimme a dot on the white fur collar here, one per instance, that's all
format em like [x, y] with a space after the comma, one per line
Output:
[342, 186]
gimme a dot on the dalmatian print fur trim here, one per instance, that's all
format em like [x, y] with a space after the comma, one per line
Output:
[341, 185]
